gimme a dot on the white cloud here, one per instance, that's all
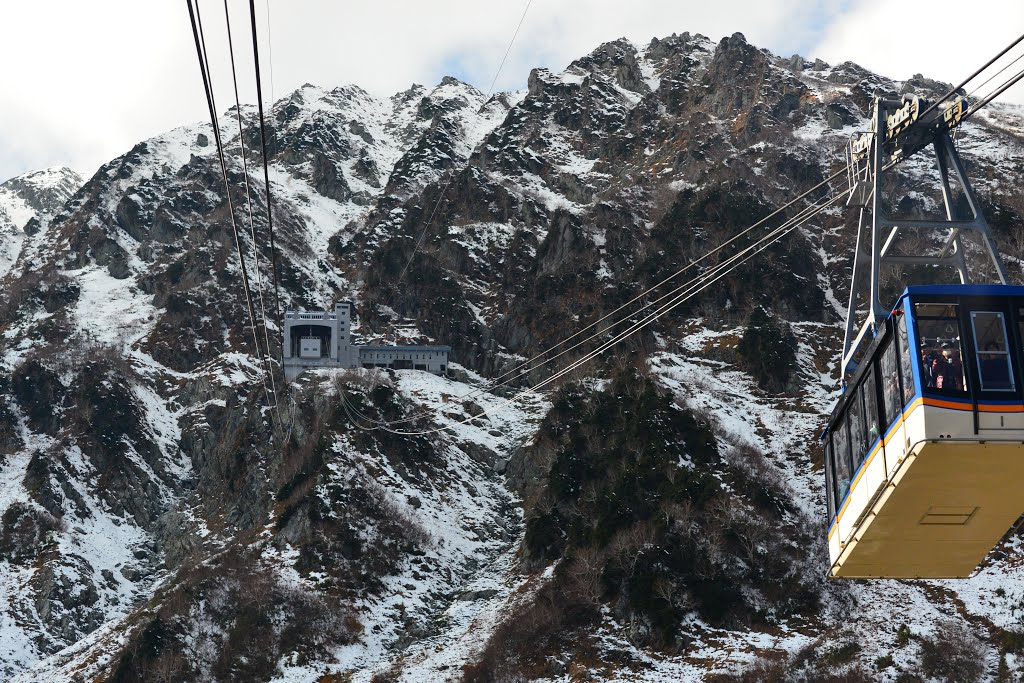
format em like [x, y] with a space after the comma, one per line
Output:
[942, 39]
[84, 81]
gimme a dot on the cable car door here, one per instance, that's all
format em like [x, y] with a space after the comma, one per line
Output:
[996, 394]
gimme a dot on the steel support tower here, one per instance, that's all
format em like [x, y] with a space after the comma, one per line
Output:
[870, 156]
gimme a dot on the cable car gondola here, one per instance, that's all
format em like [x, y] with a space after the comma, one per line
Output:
[924, 452]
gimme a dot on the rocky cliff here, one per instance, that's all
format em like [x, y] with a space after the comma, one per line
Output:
[27, 203]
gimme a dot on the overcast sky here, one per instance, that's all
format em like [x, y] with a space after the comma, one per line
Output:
[84, 81]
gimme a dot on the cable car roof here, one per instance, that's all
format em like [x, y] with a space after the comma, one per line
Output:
[958, 290]
[965, 290]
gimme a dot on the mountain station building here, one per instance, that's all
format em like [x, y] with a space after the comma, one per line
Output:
[323, 339]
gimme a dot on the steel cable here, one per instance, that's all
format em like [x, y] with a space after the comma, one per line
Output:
[200, 43]
[522, 370]
[495, 383]
[448, 179]
[970, 78]
[999, 90]
[717, 273]
[252, 221]
[263, 149]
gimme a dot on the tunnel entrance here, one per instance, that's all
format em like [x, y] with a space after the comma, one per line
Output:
[311, 341]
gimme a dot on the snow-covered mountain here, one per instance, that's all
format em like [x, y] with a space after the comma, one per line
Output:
[35, 195]
[658, 516]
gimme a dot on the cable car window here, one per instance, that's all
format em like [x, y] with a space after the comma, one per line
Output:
[906, 358]
[858, 435]
[942, 367]
[1020, 325]
[830, 490]
[890, 383]
[870, 392]
[935, 310]
[993, 351]
[841, 460]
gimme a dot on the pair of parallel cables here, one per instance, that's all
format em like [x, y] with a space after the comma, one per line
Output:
[270, 388]
[264, 350]
[675, 298]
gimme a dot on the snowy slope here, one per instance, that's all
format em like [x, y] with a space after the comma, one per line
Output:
[37, 194]
[102, 564]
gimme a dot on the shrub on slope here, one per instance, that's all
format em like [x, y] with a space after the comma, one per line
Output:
[648, 523]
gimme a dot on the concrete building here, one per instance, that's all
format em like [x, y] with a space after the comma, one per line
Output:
[323, 339]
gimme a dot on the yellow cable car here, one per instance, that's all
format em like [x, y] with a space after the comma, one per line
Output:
[924, 453]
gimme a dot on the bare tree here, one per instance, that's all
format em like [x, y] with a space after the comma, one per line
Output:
[585, 574]
[167, 668]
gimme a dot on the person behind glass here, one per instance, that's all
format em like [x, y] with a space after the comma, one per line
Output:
[908, 392]
[892, 387]
[947, 370]
[928, 357]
